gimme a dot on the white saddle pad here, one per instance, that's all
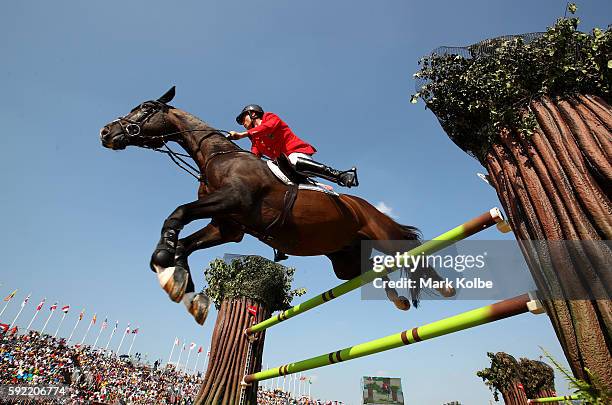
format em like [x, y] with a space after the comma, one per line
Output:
[314, 185]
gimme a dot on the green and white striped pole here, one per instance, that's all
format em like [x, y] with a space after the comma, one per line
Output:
[484, 221]
[480, 316]
[552, 399]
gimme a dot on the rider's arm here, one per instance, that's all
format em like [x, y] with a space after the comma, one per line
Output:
[266, 127]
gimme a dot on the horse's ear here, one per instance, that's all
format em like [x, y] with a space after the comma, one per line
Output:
[168, 96]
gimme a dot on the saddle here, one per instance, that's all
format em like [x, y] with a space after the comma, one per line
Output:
[286, 173]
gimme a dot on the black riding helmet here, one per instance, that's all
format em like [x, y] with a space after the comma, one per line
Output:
[251, 107]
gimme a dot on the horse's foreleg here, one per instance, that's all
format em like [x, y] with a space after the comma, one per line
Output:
[181, 285]
[219, 202]
[175, 279]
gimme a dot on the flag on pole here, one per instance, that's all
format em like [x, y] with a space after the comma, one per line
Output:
[111, 335]
[65, 309]
[93, 320]
[127, 330]
[10, 296]
[7, 299]
[191, 346]
[134, 332]
[36, 313]
[171, 352]
[99, 333]
[4, 327]
[25, 301]
[52, 310]
[252, 309]
[195, 368]
[76, 324]
[105, 323]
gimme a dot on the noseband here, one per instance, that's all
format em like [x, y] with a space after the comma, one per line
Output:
[133, 128]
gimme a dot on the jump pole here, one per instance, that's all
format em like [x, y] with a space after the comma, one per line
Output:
[482, 222]
[476, 317]
[552, 399]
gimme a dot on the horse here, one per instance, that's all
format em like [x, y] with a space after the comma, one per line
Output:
[239, 194]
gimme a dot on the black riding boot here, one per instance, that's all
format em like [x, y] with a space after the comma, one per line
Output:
[347, 178]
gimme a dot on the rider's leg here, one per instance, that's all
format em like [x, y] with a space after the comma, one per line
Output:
[305, 164]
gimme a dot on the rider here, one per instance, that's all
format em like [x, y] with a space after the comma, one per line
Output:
[271, 136]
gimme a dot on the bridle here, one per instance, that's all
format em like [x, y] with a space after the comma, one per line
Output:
[132, 131]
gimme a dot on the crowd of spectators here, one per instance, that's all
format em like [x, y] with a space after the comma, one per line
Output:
[279, 397]
[92, 376]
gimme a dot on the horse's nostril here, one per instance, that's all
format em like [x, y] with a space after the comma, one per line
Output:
[104, 132]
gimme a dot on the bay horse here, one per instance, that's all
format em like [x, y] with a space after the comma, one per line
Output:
[239, 194]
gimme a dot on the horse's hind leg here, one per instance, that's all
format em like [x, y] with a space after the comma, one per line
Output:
[347, 265]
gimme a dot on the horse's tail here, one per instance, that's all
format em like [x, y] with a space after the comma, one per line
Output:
[410, 232]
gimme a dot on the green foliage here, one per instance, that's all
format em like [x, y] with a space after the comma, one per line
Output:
[489, 87]
[537, 377]
[253, 277]
[585, 391]
[503, 374]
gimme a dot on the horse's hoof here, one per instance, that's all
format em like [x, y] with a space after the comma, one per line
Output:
[198, 306]
[174, 281]
[161, 258]
[447, 292]
[402, 303]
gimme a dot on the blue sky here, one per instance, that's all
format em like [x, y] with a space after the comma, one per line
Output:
[79, 221]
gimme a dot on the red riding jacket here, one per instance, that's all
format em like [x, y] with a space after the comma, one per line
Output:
[273, 137]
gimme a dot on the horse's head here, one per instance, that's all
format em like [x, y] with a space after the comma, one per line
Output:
[145, 125]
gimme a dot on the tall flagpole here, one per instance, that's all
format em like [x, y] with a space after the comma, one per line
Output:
[206, 360]
[102, 327]
[76, 324]
[52, 309]
[176, 342]
[127, 330]
[60, 324]
[300, 385]
[189, 355]
[23, 304]
[93, 320]
[111, 336]
[38, 308]
[195, 368]
[8, 299]
[178, 363]
[309, 384]
[5, 305]
[294, 390]
[134, 332]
